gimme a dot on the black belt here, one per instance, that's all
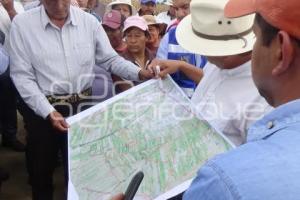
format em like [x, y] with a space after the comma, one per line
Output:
[69, 98]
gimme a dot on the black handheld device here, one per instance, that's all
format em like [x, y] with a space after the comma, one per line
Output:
[134, 185]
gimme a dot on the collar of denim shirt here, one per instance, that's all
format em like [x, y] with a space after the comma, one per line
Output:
[280, 118]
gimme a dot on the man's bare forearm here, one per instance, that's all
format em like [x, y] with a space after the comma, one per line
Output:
[192, 72]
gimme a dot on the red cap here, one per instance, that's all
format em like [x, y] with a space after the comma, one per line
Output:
[112, 19]
[282, 14]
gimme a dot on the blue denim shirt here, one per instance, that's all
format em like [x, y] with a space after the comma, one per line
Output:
[267, 167]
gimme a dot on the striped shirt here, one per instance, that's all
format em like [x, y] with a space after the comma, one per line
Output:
[47, 60]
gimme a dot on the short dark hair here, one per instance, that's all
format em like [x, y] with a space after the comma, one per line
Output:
[268, 31]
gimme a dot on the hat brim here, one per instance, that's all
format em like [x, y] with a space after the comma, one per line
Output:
[196, 44]
[168, 3]
[134, 26]
[109, 6]
[112, 25]
[239, 8]
[147, 1]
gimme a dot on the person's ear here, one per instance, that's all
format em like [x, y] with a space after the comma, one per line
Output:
[284, 53]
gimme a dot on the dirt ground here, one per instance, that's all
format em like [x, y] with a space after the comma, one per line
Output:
[17, 188]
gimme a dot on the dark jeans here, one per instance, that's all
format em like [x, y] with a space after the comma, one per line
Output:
[8, 108]
[43, 145]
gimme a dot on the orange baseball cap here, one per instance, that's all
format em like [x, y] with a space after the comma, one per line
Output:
[282, 14]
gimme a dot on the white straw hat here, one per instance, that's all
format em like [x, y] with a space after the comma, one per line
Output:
[114, 2]
[208, 32]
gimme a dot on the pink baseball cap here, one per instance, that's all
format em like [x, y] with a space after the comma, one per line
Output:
[112, 19]
[135, 21]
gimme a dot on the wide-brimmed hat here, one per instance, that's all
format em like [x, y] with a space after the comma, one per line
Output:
[208, 32]
[151, 20]
[115, 2]
[135, 21]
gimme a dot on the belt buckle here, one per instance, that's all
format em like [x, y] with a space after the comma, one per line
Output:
[73, 98]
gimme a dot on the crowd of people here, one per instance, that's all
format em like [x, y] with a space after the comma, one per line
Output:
[237, 60]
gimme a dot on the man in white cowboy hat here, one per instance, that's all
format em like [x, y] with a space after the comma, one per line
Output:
[226, 95]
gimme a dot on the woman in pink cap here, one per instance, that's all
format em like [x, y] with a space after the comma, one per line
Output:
[136, 34]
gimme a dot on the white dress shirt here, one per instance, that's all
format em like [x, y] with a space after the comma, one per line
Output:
[229, 100]
[47, 60]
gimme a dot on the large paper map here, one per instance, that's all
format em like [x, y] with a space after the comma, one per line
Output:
[151, 128]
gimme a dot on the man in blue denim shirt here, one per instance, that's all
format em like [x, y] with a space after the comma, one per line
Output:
[268, 166]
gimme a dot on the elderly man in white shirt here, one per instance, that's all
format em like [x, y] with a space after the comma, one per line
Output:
[55, 68]
[226, 95]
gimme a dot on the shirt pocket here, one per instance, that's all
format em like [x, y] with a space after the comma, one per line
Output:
[84, 53]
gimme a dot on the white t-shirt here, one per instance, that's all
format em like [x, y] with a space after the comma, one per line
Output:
[4, 60]
[229, 100]
[163, 17]
[5, 20]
